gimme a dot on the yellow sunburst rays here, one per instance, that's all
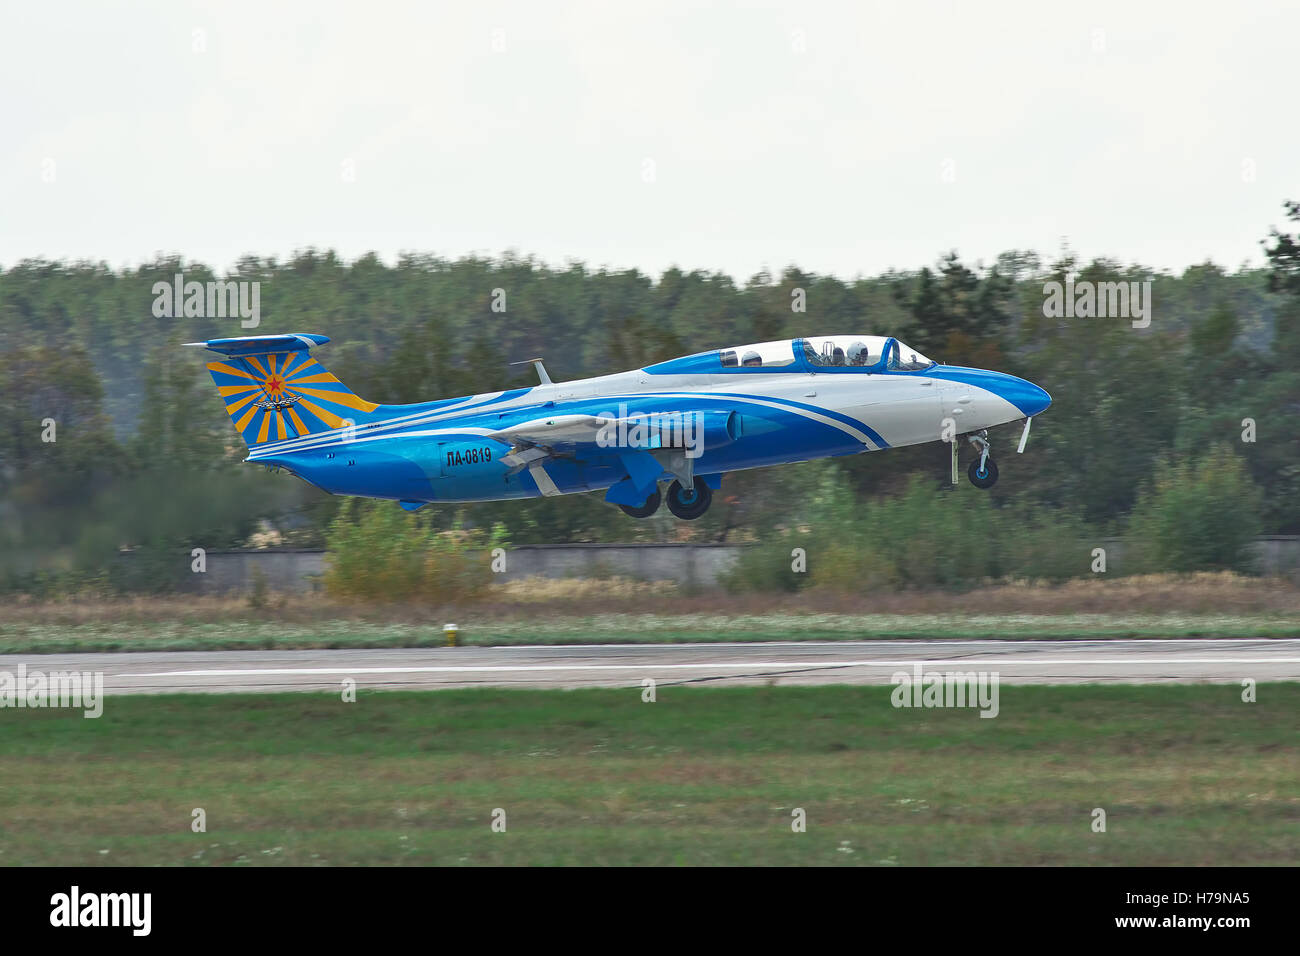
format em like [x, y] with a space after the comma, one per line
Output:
[281, 377]
[311, 372]
[238, 397]
[276, 390]
[267, 381]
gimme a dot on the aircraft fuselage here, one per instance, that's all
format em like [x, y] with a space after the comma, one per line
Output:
[745, 417]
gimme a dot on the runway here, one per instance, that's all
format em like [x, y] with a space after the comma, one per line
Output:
[624, 665]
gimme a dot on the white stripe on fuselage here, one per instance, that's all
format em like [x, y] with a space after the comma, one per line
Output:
[271, 451]
[784, 406]
[484, 404]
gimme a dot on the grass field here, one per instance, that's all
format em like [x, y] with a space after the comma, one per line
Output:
[1186, 775]
[620, 629]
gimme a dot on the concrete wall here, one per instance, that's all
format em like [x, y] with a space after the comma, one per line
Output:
[690, 565]
[694, 566]
[1275, 554]
[1278, 553]
[235, 571]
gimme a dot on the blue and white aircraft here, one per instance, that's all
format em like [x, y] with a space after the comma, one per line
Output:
[684, 423]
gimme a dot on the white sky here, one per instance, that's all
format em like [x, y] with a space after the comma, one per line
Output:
[807, 133]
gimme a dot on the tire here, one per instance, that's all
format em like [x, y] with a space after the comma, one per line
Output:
[646, 510]
[986, 480]
[689, 504]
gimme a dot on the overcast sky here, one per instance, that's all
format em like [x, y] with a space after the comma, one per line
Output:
[845, 138]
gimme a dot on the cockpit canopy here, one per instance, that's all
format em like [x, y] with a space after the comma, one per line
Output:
[761, 355]
[850, 351]
[862, 353]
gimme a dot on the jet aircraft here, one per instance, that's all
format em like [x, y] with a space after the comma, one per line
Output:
[666, 432]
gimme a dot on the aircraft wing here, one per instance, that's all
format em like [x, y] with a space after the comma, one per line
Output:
[614, 435]
[556, 430]
[534, 442]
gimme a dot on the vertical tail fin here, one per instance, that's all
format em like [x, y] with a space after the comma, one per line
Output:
[274, 389]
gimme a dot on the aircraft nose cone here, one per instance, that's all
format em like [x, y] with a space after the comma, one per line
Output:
[1026, 396]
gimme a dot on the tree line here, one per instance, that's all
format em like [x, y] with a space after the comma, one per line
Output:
[143, 457]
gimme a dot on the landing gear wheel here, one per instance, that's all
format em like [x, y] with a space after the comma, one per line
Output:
[985, 477]
[689, 503]
[646, 510]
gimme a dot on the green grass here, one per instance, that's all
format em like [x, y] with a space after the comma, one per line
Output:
[546, 627]
[1186, 774]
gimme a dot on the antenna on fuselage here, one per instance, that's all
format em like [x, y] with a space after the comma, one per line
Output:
[541, 369]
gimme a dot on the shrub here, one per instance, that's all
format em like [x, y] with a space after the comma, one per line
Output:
[1199, 514]
[382, 553]
[926, 537]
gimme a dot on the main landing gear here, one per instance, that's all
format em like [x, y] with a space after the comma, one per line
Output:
[645, 510]
[983, 471]
[686, 503]
[689, 503]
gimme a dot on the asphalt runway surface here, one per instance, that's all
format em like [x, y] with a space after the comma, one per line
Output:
[626, 665]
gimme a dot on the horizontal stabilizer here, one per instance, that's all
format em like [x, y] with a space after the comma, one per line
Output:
[263, 344]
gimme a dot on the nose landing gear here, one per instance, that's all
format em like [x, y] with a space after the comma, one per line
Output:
[983, 475]
[983, 471]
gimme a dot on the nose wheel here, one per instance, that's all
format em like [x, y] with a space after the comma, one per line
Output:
[982, 472]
